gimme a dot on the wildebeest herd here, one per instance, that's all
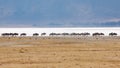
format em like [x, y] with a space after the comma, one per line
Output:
[57, 34]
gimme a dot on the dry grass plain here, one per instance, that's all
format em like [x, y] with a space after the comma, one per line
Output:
[59, 53]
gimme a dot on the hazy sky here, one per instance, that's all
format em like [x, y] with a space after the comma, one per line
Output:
[59, 13]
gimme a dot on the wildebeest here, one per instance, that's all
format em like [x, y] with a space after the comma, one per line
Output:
[35, 34]
[98, 34]
[42, 34]
[112, 34]
[23, 34]
[10, 34]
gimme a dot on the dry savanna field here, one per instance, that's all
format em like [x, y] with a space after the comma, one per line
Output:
[31, 52]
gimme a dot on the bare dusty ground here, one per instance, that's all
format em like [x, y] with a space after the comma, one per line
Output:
[59, 53]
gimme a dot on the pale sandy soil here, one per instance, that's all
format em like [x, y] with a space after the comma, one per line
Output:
[59, 53]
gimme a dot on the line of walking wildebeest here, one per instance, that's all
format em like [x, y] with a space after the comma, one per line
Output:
[58, 34]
